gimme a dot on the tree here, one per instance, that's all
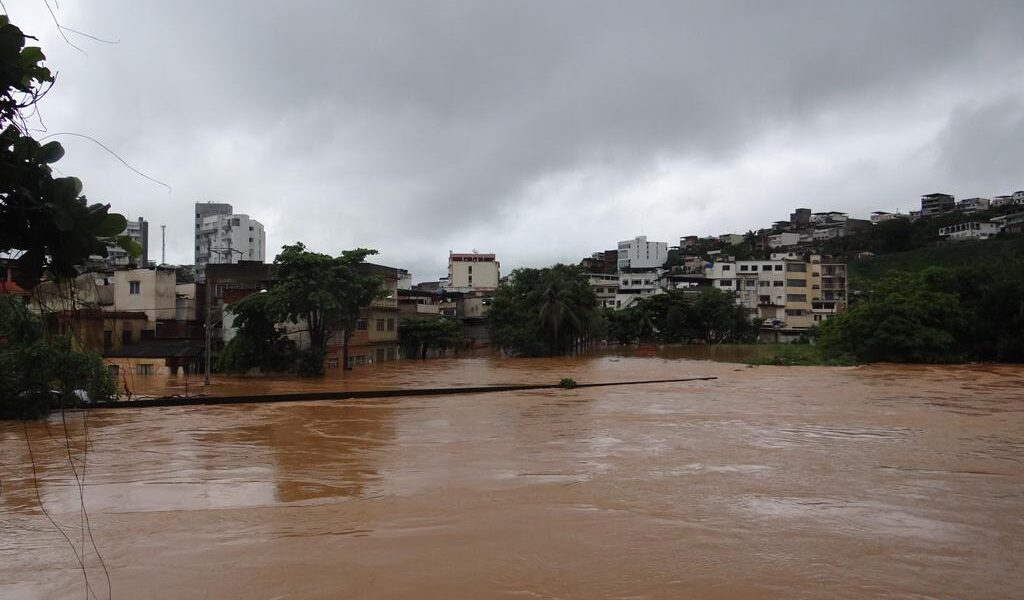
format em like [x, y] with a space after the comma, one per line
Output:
[45, 220]
[545, 312]
[43, 372]
[258, 342]
[320, 291]
[419, 335]
[904, 319]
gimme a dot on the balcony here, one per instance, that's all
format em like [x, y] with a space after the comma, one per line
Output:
[385, 303]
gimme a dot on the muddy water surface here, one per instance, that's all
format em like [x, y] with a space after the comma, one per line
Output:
[770, 482]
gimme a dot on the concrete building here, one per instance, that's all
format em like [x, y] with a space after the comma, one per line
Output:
[731, 238]
[800, 217]
[1012, 223]
[969, 231]
[822, 218]
[783, 240]
[223, 237]
[973, 205]
[605, 286]
[789, 291]
[936, 204]
[148, 291]
[998, 201]
[638, 253]
[635, 284]
[473, 272]
[375, 339]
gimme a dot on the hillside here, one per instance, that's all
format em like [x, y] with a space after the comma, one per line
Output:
[950, 254]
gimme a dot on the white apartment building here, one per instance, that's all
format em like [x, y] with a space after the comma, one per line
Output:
[969, 231]
[972, 205]
[605, 286]
[638, 253]
[223, 237]
[472, 272]
[636, 284]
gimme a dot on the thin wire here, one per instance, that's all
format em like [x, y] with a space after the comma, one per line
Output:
[60, 28]
[112, 153]
[39, 500]
[87, 525]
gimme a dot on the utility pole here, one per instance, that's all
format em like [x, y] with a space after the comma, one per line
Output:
[206, 378]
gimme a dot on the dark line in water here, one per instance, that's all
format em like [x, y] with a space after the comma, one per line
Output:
[355, 394]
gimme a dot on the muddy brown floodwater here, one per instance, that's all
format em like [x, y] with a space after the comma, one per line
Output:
[771, 482]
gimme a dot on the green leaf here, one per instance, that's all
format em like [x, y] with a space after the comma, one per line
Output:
[133, 248]
[63, 220]
[51, 152]
[111, 225]
[31, 55]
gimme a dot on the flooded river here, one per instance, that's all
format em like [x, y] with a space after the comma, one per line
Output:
[769, 482]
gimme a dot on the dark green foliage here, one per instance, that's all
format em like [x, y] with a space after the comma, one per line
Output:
[968, 253]
[419, 335]
[567, 383]
[710, 315]
[42, 372]
[258, 343]
[545, 312]
[935, 315]
[318, 290]
[45, 220]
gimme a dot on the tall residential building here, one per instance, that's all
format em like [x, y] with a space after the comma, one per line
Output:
[936, 204]
[223, 237]
[473, 272]
[638, 253]
[138, 231]
[790, 291]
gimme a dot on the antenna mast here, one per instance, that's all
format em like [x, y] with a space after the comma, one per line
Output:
[163, 244]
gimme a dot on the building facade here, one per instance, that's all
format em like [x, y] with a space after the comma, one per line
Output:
[138, 231]
[223, 237]
[969, 231]
[638, 253]
[936, 204]
[473, 272]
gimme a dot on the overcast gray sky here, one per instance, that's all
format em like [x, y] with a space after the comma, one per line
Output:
[542, 131]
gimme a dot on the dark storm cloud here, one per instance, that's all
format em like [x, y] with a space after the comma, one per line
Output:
[539, 130]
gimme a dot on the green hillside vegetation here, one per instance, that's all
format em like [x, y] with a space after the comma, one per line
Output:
[950, 255]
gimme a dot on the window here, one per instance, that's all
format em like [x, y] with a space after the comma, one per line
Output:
[794, 312]
[380, 324]
[796, 267]
[817, 317]
[778, 283]
[250, 229]
[332, 363]
[361, 325]
[144, 369]
[743, 267]
[766, 267]
[236, 222]
[725, 283]
[796, 298]
[391, 324]
[471, 279]
[726, 268]
[470, 269]
[778, 267]
[764, 283]
[134, 287]
[250, 240]
[796, 282]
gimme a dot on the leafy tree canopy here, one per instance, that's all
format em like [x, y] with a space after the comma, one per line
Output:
[45, 220]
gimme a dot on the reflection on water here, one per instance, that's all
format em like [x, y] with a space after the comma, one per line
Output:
[885, 481]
